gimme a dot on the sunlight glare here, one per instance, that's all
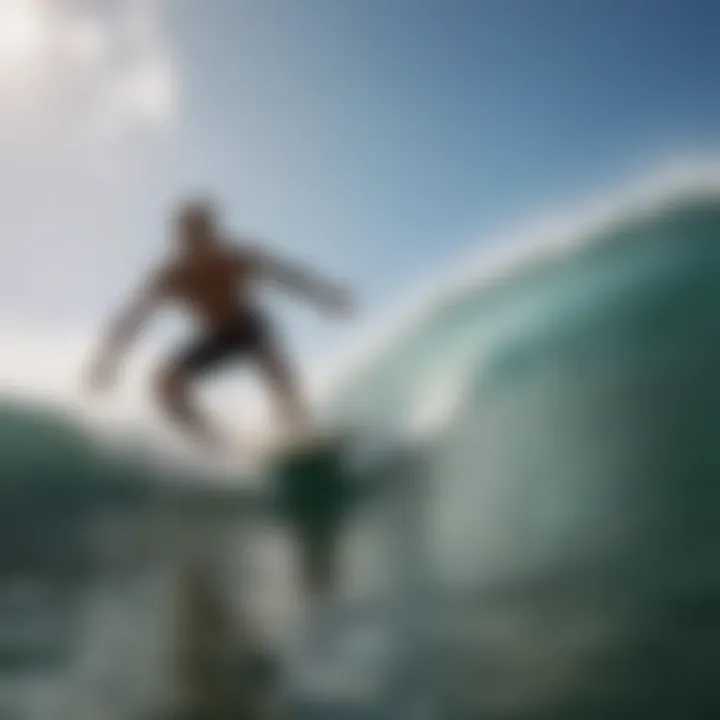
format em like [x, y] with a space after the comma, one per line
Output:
[23, 35]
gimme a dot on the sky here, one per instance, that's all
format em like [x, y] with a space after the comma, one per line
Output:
[376, 140]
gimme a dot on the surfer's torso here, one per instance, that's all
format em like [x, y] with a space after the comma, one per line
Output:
[216, 286]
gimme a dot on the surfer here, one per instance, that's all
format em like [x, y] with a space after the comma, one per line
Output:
[215, 280]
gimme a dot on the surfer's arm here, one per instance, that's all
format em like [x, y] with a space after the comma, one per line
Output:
[301, 281]
[125, 326]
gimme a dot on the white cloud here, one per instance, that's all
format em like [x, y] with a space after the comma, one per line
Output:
[143, 93]
[97, 66]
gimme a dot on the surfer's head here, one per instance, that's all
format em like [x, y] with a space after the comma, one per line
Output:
[196, 224]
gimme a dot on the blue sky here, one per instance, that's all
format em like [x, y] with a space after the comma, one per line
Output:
[376, 139]
[379, 137]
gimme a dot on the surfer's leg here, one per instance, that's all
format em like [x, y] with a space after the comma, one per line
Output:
[175, 381]
[173, 385]
[282, 382]
[261, 344]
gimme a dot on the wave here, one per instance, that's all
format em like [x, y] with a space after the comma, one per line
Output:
[440, 339]
[54, 478]
[567, 482]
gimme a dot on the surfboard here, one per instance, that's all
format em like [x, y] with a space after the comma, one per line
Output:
[313, 492]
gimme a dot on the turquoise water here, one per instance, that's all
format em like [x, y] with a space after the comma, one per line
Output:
[544, 548]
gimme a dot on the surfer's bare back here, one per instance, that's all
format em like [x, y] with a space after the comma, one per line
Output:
[215, 280]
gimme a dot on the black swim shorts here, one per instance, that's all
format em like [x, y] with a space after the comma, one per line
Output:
[246, 336]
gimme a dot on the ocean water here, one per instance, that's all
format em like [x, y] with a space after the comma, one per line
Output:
[541, 454]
